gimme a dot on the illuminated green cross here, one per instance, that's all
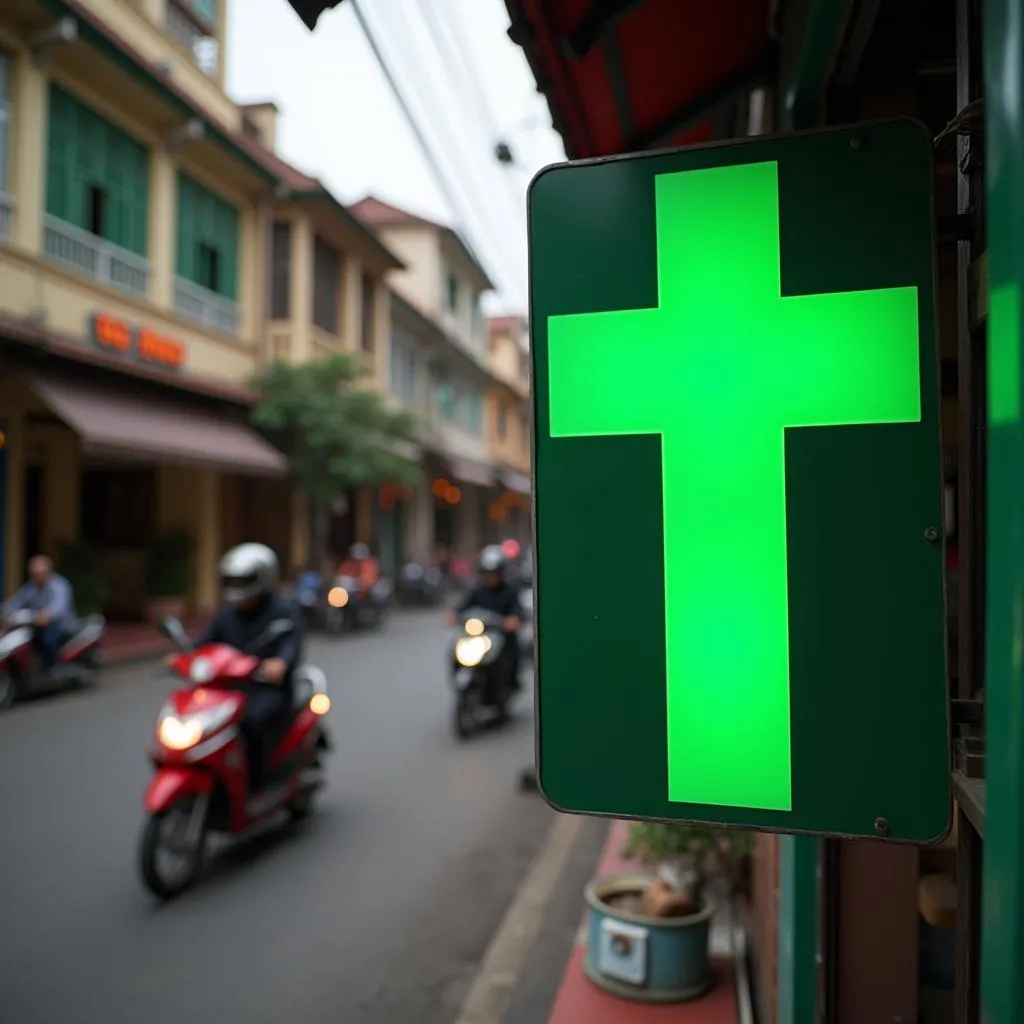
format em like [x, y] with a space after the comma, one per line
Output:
[719, 370]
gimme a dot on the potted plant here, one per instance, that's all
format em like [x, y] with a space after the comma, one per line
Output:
[79, 565]
[647, 935]
[168, 576]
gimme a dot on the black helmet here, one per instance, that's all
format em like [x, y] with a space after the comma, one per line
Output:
[491, 559]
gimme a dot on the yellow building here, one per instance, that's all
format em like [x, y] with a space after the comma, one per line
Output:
[440, 370]
[142, 219]
[508, 424]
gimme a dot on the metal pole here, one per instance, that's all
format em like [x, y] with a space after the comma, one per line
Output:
[1002, 977]
[798, 929]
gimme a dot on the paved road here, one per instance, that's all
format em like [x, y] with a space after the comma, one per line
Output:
[376, 911]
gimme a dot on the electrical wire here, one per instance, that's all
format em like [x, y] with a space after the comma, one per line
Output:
[441, 173]
[469, 213]
[452, 45]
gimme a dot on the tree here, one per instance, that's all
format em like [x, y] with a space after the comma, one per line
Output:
[336, 431]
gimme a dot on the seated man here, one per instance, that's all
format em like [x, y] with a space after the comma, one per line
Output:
[49, 595]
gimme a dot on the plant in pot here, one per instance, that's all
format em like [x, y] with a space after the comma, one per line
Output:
[648, 935]
[168, 576]
[79, 564]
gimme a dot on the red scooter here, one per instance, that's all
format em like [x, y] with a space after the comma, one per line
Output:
[201, 782]
[22, 675]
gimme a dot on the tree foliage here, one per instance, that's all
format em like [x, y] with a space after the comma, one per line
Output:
[336, 431]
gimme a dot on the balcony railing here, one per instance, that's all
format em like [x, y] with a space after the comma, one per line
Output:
[205, 307]
[6, 216]
[95, 257]
[184, 25]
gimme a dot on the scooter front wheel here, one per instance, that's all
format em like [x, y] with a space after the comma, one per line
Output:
[172, 849]
[467, 713]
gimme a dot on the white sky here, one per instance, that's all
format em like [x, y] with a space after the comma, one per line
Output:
[340, 121]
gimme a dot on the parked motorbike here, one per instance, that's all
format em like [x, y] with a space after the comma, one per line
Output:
[21, 671]
[420, 585]
[201, 781]
[351, 607]
[480, 677]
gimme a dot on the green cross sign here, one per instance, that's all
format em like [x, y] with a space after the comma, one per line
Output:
[723, 369]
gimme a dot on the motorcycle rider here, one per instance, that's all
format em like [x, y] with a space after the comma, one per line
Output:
[248, 580]
[362, 567]
[51, 597]
[495, 594]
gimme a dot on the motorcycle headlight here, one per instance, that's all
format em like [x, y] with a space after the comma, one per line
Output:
[470, 650]
[181, 732]
[337, 597]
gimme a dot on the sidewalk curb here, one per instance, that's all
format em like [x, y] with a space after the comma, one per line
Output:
[506, 955]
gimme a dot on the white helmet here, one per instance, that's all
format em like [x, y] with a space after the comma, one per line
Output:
[247, 572]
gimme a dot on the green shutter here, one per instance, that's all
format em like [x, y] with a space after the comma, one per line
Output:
[85, 150]
[227, 246]
[205, 9]
[187, 242]
[60, 153]
[205, 219]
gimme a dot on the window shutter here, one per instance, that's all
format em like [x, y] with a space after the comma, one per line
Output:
[205, 219]
[227, 244]
[60, 154]
[187, 240]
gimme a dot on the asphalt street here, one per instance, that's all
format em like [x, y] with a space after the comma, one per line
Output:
[375, 911]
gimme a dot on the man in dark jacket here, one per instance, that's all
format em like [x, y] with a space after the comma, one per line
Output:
[248, 579]
[493, 593]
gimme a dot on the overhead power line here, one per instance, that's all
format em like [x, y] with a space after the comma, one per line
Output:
[479, 214]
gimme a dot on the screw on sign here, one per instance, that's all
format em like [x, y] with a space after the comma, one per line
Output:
[723, 368]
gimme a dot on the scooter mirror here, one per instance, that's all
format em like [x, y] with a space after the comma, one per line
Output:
[175, 632]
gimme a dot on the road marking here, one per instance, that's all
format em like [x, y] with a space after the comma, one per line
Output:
[503, 962]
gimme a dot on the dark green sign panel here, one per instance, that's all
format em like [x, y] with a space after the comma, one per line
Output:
[740, 613]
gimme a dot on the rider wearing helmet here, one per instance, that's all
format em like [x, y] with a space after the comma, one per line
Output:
[494, 593]
[248, 586]
[361, 566]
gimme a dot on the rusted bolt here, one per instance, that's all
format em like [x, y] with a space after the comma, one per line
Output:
[881, 826]
[931, 535]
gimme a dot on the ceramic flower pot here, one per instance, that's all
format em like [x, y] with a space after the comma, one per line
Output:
[641, 958]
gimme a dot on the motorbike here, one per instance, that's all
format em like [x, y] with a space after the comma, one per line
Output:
[421, 585]
[483, 690]
[350, 607]
[201, 782]
[21, 673]
[308, 594]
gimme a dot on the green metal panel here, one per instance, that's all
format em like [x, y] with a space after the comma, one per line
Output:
[1003, 890]
[206, 219]
[803, 685]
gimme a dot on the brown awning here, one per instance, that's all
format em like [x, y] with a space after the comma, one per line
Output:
[118, 421]
[515, 481]
[471, 472]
